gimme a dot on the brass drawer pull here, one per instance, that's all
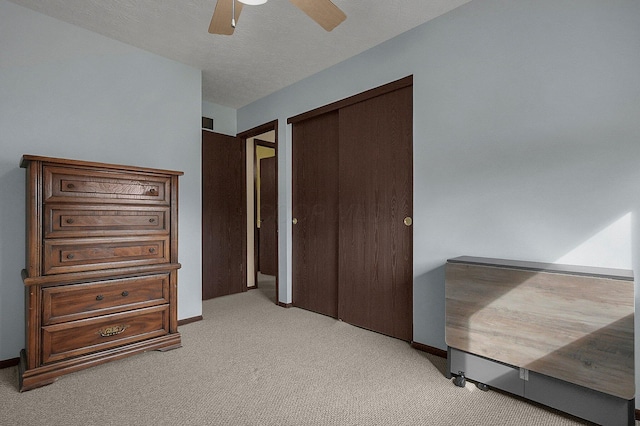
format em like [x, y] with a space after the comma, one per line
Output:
[152, 250]
[152, 220]
[70, 186]
[99, 297]
[153, 191]
[70, 256]
[125, 293]
[69, 220]
[113, 330]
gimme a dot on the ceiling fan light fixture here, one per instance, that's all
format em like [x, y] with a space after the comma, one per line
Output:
[323, 12]
[253, 2]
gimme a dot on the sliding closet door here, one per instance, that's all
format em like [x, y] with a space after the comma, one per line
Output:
[376, 206]
[315, 212]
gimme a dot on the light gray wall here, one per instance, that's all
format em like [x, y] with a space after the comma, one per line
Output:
[526, 136]
[66, 92]
[224, 118]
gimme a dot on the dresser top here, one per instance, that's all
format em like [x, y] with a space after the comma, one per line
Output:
[26, 159]
[618, 274]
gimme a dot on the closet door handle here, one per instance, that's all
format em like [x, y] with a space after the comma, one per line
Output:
[294, 221]
[408, 221]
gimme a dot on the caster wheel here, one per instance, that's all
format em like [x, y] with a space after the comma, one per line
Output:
[460, 380]
[482, 387]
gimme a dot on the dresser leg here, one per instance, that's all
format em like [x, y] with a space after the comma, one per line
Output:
[27, 382]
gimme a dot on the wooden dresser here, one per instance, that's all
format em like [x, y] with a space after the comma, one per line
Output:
[101, 265]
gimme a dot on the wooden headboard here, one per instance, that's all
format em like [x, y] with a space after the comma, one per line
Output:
[568, 322]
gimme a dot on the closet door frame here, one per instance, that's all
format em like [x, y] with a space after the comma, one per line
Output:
[360, 97]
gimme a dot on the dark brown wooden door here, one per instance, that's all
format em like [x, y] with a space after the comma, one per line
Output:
[268, 226]
[315, 209]
[224, 215]
[376, 195]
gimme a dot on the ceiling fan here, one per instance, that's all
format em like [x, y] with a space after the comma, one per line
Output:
[227, 12]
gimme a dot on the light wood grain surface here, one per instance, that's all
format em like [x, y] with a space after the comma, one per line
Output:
[577, 328]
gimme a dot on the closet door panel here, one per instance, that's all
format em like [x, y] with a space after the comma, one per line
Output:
[376, 196]
[315, 212]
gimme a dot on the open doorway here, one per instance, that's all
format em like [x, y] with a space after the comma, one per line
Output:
[262, 209]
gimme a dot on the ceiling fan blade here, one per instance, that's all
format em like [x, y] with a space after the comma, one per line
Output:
[324, 12]
[221, 19]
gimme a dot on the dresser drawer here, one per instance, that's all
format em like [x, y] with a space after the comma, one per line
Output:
[89, 254]
[62, 220]
[78, 301]
[75, 338]
[67, 184]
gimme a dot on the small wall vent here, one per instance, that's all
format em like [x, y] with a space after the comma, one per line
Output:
[207, 123]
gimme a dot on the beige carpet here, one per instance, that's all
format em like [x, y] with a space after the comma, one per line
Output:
[250, 362]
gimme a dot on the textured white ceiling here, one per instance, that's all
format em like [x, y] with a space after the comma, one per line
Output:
[274, 45]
